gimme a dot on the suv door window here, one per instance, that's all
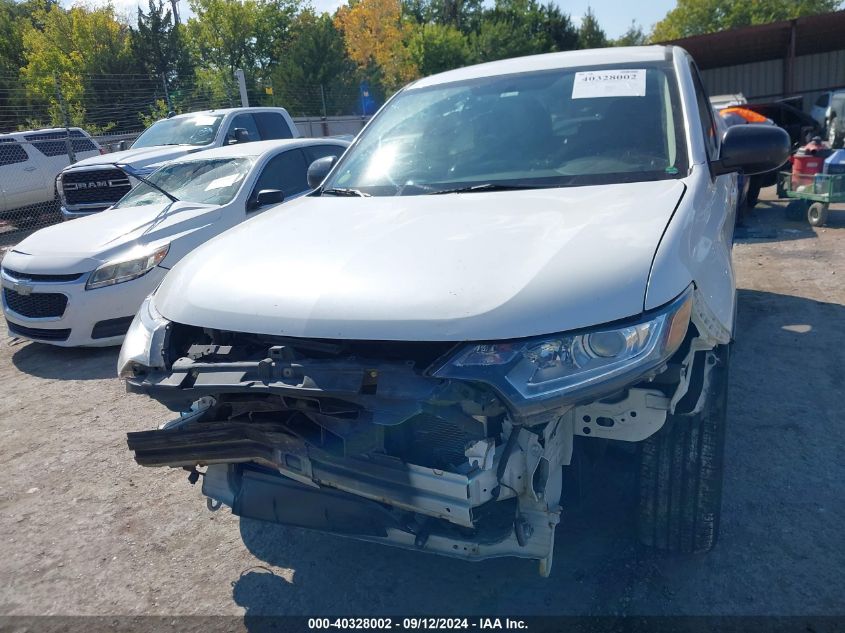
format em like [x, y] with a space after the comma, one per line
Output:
[285, 172]
[246, 122]
[54, 143]
[11, 152]
[705, 112]
[272, 125]
[823, 100]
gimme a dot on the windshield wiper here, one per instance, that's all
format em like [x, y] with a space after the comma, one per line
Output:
[487, 186]
[149, 183]
[344, 192]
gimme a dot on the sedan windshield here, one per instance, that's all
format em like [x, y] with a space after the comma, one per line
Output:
[203, 181]
[566, 127]
[190, 130]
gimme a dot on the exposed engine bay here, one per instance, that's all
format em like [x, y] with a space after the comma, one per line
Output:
[359, 438]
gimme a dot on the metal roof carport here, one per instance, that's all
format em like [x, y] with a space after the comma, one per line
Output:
[804, 56]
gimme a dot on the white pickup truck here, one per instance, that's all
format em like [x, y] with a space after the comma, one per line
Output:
[30, 161]
[95, 184]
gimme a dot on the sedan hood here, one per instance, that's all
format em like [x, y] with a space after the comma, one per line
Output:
[454, 267]
[139, 158]
[82, 244]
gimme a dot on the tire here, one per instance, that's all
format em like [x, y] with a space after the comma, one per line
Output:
[753, 194]
[817, 214]
[680, 478]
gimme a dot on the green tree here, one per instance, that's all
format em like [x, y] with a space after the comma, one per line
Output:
[512, 28]
[437, 47]
[225, 35]
[76, 47]
[158, 44]
[314, 67]
[11, 42]
[634, 36]
[590, 34]
[696, 17]
[465, 15]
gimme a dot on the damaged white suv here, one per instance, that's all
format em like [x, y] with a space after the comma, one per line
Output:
[512, 261]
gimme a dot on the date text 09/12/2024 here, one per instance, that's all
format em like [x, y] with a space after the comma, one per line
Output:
[428, 623]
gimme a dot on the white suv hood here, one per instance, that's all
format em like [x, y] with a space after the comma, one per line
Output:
[474, 266]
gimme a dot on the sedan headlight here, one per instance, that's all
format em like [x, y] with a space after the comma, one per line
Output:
[127, 269]
[143, 346]
[572, 366]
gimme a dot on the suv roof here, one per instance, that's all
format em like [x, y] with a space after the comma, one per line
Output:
[551, 61]
[45, 130]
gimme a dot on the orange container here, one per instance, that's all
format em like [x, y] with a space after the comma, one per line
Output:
[807, 162]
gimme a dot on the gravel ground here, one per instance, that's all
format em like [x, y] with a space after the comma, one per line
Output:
[87, 532]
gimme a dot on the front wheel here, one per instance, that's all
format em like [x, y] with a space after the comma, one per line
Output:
[680, 477]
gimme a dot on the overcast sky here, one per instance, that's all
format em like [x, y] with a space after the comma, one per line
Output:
[614, 16]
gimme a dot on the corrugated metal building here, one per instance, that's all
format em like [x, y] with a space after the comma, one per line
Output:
[805, 56]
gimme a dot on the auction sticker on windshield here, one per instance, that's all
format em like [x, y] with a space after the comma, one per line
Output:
[609, 83]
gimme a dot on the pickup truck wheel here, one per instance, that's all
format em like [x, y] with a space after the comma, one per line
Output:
[680, 478]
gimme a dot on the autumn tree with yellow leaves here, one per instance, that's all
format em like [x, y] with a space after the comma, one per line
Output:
[377, 40]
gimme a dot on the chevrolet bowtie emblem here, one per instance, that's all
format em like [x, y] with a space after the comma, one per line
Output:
[23, 289]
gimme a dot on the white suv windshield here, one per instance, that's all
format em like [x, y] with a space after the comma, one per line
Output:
[190, 130]
[203, 181]
[532, 129]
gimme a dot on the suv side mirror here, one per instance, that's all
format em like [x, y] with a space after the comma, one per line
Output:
[319, 169]
[752, 149]
[265, 198]
[241, 135]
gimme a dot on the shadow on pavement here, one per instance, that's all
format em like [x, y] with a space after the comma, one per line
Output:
[767, 222]
[782, 514]
[65, 363]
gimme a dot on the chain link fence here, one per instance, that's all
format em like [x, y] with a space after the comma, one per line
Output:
[49, 124]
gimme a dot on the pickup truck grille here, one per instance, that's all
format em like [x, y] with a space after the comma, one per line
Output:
[36, 305]
[100, 186]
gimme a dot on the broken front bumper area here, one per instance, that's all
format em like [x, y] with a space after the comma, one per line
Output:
[262, 472]
[375, 449]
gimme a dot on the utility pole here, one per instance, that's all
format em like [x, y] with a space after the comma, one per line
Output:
[325, 115]
[239, 75]
[175, 5]
[66, 116]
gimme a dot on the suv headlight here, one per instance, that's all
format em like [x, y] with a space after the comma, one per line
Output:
[119, 271]
[143, 346]
[574, 365]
